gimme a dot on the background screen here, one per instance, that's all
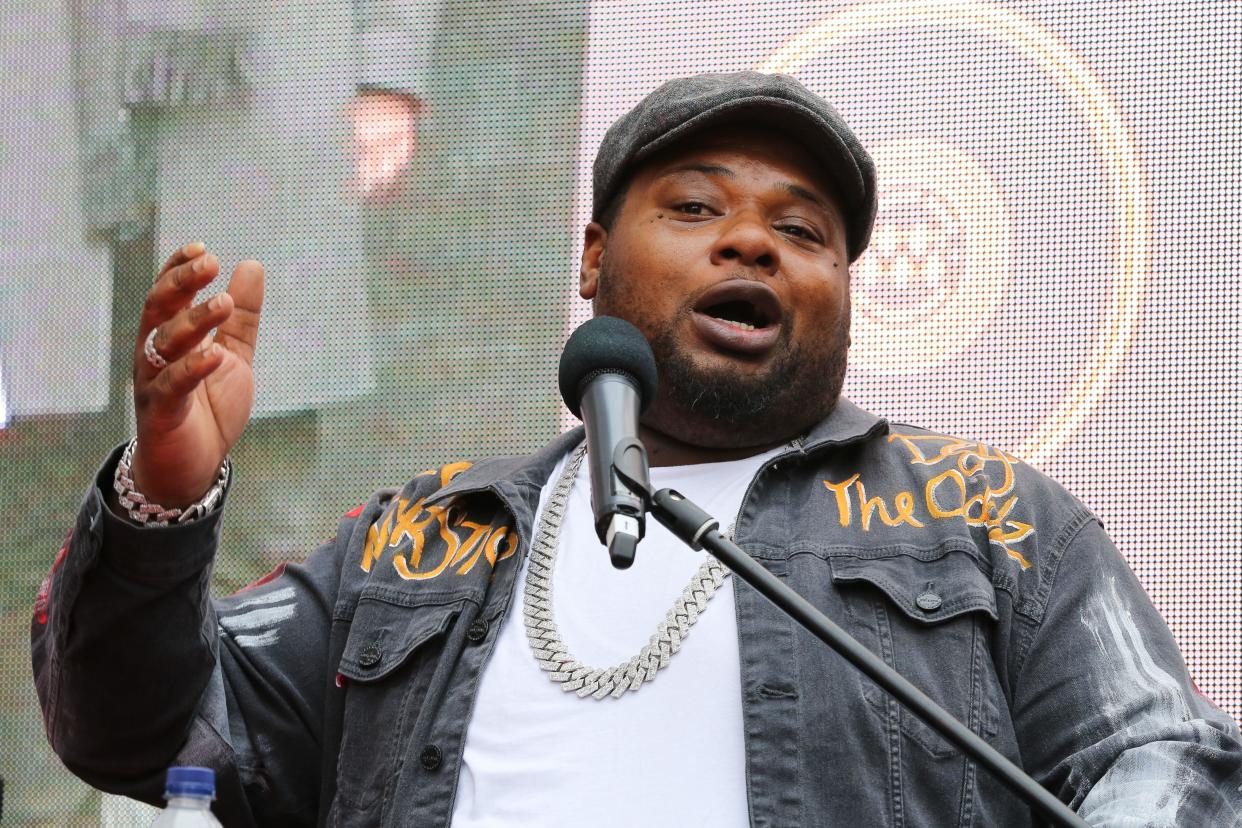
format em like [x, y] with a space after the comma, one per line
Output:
[1053, 269]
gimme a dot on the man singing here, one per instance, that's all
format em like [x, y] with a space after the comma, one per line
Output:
[462, 652]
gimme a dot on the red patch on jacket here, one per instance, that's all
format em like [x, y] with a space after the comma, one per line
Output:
[355, 512]
[266, 579]
[45, 588]
[1195, 686]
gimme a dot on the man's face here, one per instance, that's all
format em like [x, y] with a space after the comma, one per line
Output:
[729, 254]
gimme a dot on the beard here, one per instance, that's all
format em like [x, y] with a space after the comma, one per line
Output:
[798, 390]
[711, 405]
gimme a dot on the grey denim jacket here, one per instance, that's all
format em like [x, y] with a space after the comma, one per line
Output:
[338, 691]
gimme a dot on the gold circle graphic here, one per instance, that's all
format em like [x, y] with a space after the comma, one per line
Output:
[1111, 138]
[945, 248]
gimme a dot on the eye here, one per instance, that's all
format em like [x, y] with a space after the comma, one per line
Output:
[799, 231]
[694, 208]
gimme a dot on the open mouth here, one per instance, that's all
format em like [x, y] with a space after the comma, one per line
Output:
[739, 315]
[743, 303]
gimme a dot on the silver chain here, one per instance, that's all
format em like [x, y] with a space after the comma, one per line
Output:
[141, 510]
[545, 639]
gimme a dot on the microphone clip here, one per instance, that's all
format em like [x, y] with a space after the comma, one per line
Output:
[629, 463]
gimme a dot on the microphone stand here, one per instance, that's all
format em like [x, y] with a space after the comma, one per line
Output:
[699, 530]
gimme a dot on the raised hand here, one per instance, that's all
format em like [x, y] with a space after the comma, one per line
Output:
[192, 410]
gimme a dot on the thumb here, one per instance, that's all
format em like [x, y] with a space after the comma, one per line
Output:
[240, 332]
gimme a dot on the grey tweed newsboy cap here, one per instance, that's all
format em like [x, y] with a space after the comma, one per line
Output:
[684, 105]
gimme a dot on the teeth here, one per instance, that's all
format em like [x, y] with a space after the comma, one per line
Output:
[746, 326]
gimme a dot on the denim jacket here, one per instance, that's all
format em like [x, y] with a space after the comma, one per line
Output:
[338, 691]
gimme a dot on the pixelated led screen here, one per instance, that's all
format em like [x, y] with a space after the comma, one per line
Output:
[1053, 270]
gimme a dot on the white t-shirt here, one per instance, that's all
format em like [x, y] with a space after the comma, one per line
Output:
[670, 753]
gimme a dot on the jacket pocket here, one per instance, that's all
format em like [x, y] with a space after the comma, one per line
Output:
[386, 666]
[929, 616]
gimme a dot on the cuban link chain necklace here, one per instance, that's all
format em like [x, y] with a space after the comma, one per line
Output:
[545, 639]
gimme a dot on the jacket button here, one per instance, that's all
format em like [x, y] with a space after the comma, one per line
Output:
[928, 602]
[430, 758]
[477, 631]
[370, 656]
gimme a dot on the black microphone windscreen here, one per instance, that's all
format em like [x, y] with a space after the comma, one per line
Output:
[602, 345]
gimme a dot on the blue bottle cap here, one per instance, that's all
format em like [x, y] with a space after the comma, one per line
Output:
[191, 782]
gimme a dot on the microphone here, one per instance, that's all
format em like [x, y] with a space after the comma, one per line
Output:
[607, 377]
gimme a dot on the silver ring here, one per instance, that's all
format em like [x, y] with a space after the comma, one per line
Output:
[153, 356]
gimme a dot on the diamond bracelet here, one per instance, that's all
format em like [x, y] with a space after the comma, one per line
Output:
[141, 510]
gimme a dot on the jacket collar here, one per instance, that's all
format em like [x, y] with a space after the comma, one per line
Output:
[846, 424]
[522, 472]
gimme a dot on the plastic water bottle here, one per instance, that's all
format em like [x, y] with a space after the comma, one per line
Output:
[189, 792]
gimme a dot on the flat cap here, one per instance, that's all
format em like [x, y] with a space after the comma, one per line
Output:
[685, 105]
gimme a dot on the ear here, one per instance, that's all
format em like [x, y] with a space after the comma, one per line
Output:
[595, 239]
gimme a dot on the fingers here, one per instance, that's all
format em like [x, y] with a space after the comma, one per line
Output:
[182, 332]
[171, 387]
[240, 331]
[177, 336]
[176, 285]
[182, 254]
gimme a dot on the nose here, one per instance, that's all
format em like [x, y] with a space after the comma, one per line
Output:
[746, 239]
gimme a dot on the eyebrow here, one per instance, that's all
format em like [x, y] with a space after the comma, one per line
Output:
[715, 169]
[803, 192]
[707, 169]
